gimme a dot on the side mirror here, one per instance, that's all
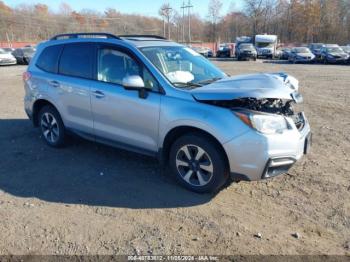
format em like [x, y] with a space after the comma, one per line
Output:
[135, 82]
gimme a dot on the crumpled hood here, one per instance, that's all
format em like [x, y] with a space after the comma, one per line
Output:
[259, 86]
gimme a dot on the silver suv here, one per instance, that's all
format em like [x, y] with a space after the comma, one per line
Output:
[157, 97]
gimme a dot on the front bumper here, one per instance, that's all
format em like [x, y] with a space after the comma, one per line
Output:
[254, 156]
[247, 55]
[305, 60]
[336, 60]
[8, 61]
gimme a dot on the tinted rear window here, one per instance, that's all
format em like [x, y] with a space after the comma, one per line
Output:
[48, 59]
[77, 60]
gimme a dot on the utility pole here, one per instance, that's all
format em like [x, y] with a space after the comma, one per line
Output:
[189, 20]
[188, 7]
[183, 21]
[166, 11]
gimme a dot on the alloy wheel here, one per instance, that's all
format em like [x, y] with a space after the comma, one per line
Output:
[49, 127]
[194, 165]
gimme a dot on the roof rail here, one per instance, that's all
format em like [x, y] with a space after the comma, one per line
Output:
[77, 35]
[143, 36]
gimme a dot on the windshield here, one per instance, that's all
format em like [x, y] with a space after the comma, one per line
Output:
[263, 45]
[28, 51]
[2, 51]
[346, 48]
[181, 65]
[317, 46]
[302, 50]
[334, 49]
[246, 46]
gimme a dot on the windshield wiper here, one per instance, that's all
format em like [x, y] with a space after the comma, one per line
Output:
[187, 84]
[209, 81]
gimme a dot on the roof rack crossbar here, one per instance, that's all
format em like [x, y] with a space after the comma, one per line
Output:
[143, 36]
[77, 35]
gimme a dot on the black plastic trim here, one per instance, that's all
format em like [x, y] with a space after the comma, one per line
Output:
[280, 169]
[77, 35]
[143, 36]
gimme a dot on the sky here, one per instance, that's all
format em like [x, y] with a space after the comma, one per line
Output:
[144, 7]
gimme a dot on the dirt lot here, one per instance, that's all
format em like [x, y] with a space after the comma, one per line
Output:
[92, 199]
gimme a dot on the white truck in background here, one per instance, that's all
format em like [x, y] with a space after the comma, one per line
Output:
[266, 45]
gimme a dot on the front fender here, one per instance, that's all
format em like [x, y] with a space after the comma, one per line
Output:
[220, 122]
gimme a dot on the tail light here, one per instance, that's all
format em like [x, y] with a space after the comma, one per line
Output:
[26, 76]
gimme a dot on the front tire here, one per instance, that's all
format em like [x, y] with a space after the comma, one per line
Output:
[198, 163]
[51, 126]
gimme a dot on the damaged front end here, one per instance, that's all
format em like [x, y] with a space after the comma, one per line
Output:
[250, 106]
[262, 101]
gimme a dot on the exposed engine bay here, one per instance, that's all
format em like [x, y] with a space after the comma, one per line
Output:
[266, 105]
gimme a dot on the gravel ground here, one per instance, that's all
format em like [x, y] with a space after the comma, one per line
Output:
[92, 199]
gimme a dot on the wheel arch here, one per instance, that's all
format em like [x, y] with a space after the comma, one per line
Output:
[37, 106]
[179, 131]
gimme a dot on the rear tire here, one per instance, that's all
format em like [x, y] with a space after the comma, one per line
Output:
[51, 126]
[198, 163]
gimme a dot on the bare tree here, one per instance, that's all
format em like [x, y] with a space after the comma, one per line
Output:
[214, 9]
[298, 21]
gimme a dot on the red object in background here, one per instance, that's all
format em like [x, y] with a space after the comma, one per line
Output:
[26, 76]
[16, 44]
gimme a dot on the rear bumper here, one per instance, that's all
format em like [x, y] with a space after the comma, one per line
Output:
[254, 156]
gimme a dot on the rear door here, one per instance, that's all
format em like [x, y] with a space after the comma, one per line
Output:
[121, 117]
[71, 87]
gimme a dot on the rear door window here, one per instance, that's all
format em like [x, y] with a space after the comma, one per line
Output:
[48, 59]
[77, 60]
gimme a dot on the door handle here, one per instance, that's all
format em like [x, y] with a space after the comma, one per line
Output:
[54, 84]
[98, 94]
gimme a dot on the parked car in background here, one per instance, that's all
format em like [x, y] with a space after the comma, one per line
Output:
[6, 58]
[283, 53]
[246, 52]
[204, 51]
[266, 45]
[8, 49]
[301, 55]
[224, 50]
[346, 49]
[24, 55]
[242, 40]
[333, 54]
[316, 50]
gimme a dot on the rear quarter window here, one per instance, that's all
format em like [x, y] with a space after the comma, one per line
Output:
[48, 59]
[77, 60]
